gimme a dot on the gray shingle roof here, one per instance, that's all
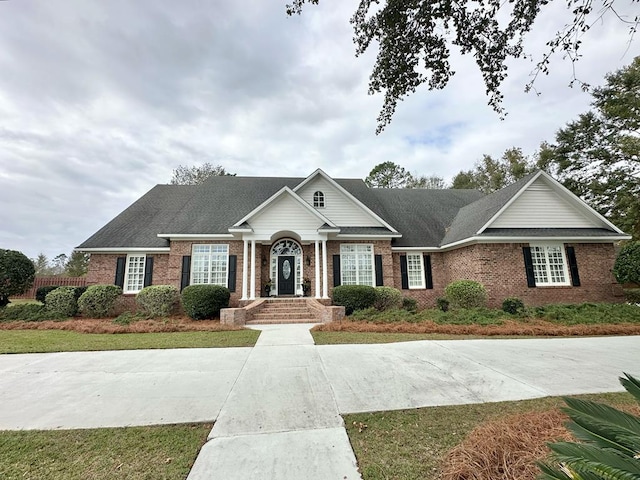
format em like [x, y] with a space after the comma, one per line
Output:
[471, 218]
[425, 218]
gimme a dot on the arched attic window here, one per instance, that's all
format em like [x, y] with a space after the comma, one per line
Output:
[318, 199]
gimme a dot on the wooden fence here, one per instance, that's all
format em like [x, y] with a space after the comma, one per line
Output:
[47, 281]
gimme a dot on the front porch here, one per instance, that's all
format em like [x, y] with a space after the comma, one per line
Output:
[270, 310]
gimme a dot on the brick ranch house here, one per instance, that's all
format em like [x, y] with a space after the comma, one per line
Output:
[533, 239]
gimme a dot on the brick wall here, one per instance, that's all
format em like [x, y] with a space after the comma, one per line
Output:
[500, 268]
[380, 247]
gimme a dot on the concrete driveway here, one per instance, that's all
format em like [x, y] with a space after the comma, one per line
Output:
[277, 406]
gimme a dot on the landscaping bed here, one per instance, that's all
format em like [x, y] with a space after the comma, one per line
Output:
[549, 321]
[491, 441]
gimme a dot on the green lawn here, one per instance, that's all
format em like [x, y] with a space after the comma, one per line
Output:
[410, 444]
[42, 341]
[134, 453]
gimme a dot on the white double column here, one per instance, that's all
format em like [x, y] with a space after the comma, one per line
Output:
[245, 267]
[325, 276]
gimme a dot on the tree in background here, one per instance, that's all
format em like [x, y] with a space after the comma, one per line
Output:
[78, 264]
[41, 265]
[196, 174]
[415, 39]
[388, 175]
[597, 156]
[489, 174]
[432, 182]
[16, 274]
[391, 175]
[74, 266]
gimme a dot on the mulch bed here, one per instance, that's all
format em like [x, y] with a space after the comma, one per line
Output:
[509, 327]
[106, 325]
[506, 449]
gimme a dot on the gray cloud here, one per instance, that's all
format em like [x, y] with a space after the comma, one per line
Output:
[99, 101]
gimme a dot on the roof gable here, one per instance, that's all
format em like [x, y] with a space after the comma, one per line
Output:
[284, 210]
[357, 211]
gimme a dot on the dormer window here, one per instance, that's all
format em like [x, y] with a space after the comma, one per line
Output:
[318, 200]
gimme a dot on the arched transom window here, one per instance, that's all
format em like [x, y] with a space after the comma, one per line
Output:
[318, 199]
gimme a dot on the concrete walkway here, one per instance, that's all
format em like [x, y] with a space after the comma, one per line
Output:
[277, 406]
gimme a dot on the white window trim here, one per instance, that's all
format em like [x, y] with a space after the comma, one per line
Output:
[126, 271]
[422, 285]
[226, 275]
[320, 199]
[373, 265]
[565, 265]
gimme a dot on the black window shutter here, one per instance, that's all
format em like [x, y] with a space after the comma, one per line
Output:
[378, 262]
[573, 266]
[148, 271]
[428, 276]
[404, 275]
[186, 271]
[336, 270]
[120, 263]
[528, 267]
[231, 282]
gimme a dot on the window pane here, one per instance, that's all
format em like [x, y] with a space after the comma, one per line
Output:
[556, 264]
[539, 264]
[135, 273]
[209, 264]
[356, 264]
[414, 271]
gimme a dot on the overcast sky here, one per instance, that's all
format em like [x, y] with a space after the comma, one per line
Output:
[101, 99]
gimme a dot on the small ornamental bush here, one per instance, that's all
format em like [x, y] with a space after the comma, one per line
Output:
[78, 291]
[62, 302]
[354, 297]
[513, 305]
[466, 294]
[99, 300]
[42, 292]
[387, 298]
[632, 295]
[410, 304]
[27, 312]
[158, 300]
[442, 304]
[627, 266]
[205, 301]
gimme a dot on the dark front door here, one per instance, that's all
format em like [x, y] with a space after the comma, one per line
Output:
[286, 275]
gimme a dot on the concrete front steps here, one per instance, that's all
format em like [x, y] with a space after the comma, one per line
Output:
[284, 310]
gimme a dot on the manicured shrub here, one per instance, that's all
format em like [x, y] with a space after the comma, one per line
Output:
[627, 266]
[354, 297]
[158, 300]
[28, 312]
[632, 295]
[62, 302]
[513, 305]
[99, 300]
[205, 301]
[16, 274]
[78, 291]
[387, 298]
[442, 304]
[42, 292]
[466, 294]
[410, 304]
